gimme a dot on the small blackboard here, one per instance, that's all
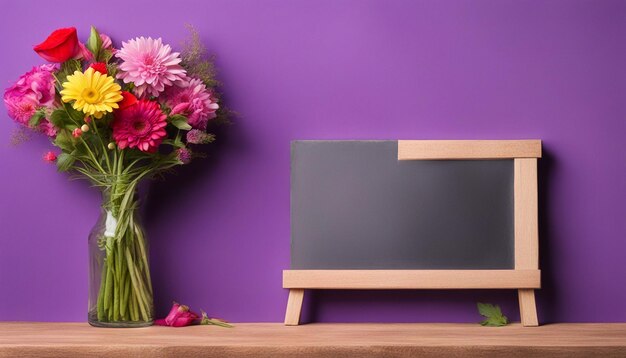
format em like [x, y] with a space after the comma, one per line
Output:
[414, 214]
[354, 205]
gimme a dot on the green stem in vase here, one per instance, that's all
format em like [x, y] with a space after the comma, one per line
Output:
[142, 253]
[108, 283]
[125, 292]
[124, 309]
[134, 312]
[100, 303]
[137, 285]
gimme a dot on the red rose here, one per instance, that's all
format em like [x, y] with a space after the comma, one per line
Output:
[60, 46]
[128, 99]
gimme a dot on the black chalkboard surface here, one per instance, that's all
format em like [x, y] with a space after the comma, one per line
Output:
[414, 214]
[354, 205]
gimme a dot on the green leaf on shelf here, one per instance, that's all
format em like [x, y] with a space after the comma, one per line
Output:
[214, 321]
[493, 315]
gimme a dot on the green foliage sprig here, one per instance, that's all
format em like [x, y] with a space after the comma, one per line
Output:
[493, 315]
[196, 60]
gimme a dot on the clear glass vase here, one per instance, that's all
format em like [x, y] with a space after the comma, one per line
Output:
[120, 289]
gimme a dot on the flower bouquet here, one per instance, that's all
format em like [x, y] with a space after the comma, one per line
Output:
[117, 116]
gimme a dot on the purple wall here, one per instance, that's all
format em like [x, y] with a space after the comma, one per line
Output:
[553, 70]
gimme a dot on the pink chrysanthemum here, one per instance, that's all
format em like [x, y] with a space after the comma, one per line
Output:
[194, 101]
[150, 65]
[20, 107]
[140, 126]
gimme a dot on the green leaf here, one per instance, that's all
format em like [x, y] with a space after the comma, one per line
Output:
[64, 141]
[74, 114]
[60, 118]
[174, 143]
[64, 162]
[180, 122]
[94, 43]
[493, 314]
[112, 69]
[35, 119]
[106, 55]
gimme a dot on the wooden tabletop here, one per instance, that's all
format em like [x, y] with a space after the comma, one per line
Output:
[28, 339]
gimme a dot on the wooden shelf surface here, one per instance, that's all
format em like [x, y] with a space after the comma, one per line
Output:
[29, 339]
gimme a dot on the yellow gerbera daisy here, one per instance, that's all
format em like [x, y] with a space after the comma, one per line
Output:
[92, 92]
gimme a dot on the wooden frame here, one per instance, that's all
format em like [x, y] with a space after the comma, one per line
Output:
[525, 277]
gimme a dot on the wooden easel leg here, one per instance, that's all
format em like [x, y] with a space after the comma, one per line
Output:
[294, 306]
[527, 307]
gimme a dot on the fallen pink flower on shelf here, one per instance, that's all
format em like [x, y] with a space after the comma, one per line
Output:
[181, 316]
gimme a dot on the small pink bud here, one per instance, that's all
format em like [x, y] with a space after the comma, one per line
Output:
[87, 119]
[77, 132]
[50, 157]
[106, 41]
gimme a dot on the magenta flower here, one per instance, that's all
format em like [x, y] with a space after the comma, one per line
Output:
[150, 65]
[140, 126]
[33, 90]
[194, 101]
[179, 316]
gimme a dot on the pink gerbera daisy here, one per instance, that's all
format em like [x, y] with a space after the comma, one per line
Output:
[150, 65]
[194, 101]
[140, 126]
